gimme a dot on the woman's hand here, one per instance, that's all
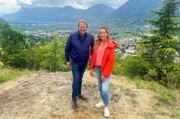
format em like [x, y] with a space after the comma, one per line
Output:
[90, 57]
[91, 72]
[103, 78]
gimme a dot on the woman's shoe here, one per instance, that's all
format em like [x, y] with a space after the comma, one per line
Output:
[100, 104]
[106, 112]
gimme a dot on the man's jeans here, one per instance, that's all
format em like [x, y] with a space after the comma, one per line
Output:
[103, 86]
[77, 71]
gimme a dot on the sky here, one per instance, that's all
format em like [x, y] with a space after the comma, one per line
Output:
[11, 6]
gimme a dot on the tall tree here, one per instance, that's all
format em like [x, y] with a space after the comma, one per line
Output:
[159, 48]
[13, 44]
[53, 55]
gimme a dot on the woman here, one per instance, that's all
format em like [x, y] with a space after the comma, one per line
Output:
[102, 60]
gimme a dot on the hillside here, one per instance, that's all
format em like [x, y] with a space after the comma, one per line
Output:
[57, 14]
[135, 10]
[98, 12]
[48, 96]
[2, 20]
[44, 14]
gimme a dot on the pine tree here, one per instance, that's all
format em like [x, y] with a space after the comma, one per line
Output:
[160, 47]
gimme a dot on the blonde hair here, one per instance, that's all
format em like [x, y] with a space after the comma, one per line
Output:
[98, 37]
[82, 21]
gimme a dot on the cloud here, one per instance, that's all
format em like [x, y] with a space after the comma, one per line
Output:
[10, 6]
[82, 4]
[29, 2]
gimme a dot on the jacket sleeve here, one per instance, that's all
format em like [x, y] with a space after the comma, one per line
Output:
[92, 45]
[110, 64]
[68, 49]
[92, 60]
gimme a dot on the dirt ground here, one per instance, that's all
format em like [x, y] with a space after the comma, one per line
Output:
[48, 96]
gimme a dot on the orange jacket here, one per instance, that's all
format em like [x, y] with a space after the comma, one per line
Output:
[107, 63]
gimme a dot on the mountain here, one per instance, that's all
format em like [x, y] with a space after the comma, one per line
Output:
[135, 10]
[98, 12]
[44, 14]
[2, 20]
[132, 12]
[56, 14]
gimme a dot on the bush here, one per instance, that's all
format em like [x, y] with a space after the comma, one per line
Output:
[117, 70]
[135, 66]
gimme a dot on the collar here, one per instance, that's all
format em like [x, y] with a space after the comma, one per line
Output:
[79, 34]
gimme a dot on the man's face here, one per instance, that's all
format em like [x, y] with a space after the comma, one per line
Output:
[82, 28]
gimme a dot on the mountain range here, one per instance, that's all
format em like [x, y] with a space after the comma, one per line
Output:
[131, 11]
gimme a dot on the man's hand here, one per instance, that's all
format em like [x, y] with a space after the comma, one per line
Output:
[103, 78]
[68, 64]
[91, 72]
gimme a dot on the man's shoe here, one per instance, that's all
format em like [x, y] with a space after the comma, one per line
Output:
[100, 104]
[106, 112]
[74, 106]
[82, 97]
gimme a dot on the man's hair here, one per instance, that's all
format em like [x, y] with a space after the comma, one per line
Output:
[82, 21]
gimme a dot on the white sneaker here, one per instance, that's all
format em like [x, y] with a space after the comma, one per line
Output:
[100, 104]
[106, 112]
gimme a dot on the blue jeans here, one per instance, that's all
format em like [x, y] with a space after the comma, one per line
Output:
[78, 70]
[103, 86]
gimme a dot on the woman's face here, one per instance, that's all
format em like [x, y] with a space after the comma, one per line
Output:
[103, 34]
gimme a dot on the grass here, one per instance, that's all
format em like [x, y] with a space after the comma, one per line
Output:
[166, 97]
[7, 74]
[176, 113]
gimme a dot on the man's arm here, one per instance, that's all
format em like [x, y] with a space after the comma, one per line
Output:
[92, 44]
[68, 51]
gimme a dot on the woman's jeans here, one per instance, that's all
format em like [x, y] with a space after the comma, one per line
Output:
[77, 71]
[103, 86]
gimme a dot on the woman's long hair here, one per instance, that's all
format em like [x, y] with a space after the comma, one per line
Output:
[98, 37]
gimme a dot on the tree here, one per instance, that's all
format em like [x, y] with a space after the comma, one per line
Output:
[160, 47]
[13, 44]
[1, 53]
[53, 55]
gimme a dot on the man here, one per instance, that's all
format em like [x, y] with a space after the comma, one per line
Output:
[78, 48]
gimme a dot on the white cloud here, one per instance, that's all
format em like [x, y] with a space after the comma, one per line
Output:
[10, 6]
[29, 2]
[83, 4]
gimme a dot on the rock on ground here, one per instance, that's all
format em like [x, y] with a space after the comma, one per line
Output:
[48, 96]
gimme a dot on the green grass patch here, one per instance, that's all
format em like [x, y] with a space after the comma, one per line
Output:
[176, 113]
[10, 73]
[165, 97]
[139, 83]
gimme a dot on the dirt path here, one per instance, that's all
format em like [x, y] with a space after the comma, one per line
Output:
[48, 96]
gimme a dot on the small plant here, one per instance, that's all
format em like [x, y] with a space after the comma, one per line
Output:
[165, 98]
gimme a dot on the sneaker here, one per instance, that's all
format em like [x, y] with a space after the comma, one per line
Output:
[74, 106]
[100, 104]
[82, 97]
[106, 112]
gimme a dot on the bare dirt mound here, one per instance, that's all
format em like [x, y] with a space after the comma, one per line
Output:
[48, 96]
